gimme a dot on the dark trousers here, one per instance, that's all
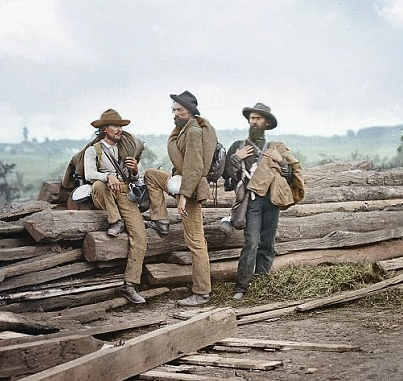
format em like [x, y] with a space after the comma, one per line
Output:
[258, 251]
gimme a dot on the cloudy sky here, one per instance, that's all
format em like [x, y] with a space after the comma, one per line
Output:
[322, 66]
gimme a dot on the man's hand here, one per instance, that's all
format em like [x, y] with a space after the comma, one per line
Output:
[114, 184]
[182, 206]
[244, 152]
[131, 163]
[273, 154]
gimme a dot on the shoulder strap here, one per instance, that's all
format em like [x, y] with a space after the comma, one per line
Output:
[114, 163]
[98, 152]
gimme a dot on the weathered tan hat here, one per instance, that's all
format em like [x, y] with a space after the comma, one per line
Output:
[110, 117]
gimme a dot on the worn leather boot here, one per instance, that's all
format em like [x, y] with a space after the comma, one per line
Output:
[116, 228]
[159, 226]
[194, 300]
[130, 293]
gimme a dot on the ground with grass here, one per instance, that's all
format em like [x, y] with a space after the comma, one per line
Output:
[375, 324]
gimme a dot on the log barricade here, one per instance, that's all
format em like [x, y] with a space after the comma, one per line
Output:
[52, 258]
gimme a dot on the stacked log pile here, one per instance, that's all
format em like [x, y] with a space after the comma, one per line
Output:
[52, 258]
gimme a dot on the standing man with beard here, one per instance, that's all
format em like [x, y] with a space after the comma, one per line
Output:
[109, 191]
[274, 179]
[191, 147]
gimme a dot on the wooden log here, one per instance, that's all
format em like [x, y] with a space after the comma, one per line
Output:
[52, 192]
[321, 225]
[354, 178]
[20, 323]
[8, 243]
[185, 257]
[340, 239]
[280, 344]
[97, 331]
[98, 246]
[44, 276]
[17, 210]
[149, 350]
[229, 362]
[392, 264]
[53, 292]
[24, 252]
[65, 224]
[326, 194]
[167, 273]
[11, 228]
[36, 264]
[301, 210]
[64, 301]
[29, 358]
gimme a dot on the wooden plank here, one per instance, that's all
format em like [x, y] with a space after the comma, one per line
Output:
[392, 264]
[267, 315]
[149, 350]
[24, 252]
[38, 277]
[10, 335]
[281, 344]
[229, 362]
[65, 224]
[158, 375]
[17, 210]
[29, 358]
[91, 331]
[36, 264]
[240, 312]
[351, 295]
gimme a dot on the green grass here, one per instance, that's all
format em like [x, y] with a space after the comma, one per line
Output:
[297, 283]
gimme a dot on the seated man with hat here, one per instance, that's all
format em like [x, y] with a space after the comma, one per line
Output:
[274, 180]
[191, 147]
[109, 191]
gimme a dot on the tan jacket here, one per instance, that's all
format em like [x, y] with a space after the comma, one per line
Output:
[129, 145]
[268, 176]
[191, 151]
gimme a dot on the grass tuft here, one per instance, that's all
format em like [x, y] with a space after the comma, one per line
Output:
[295, 283]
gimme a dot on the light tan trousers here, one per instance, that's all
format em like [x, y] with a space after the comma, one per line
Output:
[193, 232]
[118, 206]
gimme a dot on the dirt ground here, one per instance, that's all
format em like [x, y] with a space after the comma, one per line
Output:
[378, 331]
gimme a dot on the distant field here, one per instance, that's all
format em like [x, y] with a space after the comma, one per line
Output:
[49, 161]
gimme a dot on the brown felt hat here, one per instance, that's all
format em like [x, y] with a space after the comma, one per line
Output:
[110, 117]
[262, 110]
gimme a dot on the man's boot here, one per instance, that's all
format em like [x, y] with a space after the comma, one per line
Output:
[160, 226]
[130, 293]
[194, 300]
[116, 228]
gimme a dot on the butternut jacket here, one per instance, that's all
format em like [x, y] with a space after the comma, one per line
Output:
[267, 176]
[191, 151]
[129, 145]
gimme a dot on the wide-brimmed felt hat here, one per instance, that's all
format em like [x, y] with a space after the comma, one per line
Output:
[263, 110]
[188, 101]
[110, 117]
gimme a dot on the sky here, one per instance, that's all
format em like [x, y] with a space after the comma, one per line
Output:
[324, 67]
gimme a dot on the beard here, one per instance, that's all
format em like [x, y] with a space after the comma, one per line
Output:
[256, 133]
[180, 122]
